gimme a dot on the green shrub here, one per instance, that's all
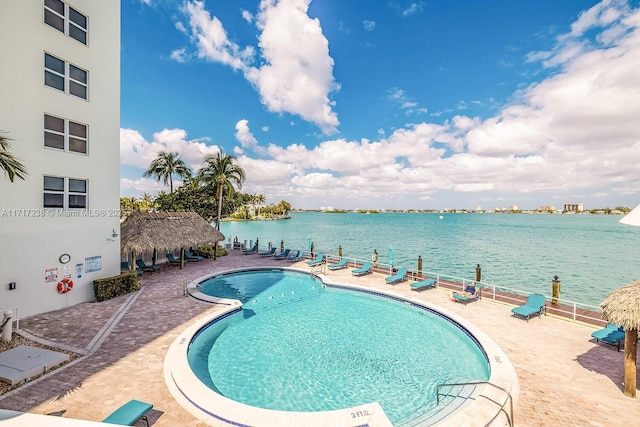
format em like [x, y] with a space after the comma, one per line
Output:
[111, 287]
[207, 251]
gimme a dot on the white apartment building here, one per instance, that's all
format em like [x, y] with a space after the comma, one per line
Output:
[60, 106]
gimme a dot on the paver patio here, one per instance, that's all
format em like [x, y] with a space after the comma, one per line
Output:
[566, 379]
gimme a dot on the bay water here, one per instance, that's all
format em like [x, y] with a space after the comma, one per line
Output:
[591, 254]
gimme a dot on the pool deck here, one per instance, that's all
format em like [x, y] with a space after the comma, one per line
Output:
[565, 377]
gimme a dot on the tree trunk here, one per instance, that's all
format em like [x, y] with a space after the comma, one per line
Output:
[630, 349]
[219, 210]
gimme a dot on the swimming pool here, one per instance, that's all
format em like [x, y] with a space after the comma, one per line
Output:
[338, 350]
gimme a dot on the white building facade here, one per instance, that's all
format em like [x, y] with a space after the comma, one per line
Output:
[60, 92]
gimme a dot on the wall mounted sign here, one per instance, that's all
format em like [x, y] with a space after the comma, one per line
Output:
[93, 263]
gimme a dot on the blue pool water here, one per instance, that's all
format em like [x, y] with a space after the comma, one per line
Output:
[297, 346]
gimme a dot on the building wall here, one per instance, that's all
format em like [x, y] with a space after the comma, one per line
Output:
[32, 237]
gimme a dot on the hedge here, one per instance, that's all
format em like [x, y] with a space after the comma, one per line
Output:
[111, 287]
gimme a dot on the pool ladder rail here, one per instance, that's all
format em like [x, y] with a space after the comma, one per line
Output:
[508, 399]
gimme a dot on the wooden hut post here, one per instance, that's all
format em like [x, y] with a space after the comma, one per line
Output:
[630, 349]
[181, 258]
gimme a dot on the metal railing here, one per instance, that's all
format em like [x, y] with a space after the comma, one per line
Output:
[566, 308]
[508, 398]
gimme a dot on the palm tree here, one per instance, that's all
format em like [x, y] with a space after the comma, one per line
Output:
[221, 173]
[284, 207]
[260, 200]
[8, 163]
[165, 166]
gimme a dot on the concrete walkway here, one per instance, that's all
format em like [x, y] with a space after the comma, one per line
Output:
[566, 379]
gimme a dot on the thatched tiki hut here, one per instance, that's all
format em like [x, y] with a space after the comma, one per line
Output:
[146, 232]
[622, 308]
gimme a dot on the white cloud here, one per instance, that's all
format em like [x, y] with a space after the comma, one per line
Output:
[138, 152]
[413, 9]
[296, 72]
[212, 41]
[179, 55]
[369, 25]
[244, 135]
[247, 16]
[135, 187]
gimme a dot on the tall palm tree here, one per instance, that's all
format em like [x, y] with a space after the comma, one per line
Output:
[8, 163]
[165, 166]
[222, 173]
[260, 200]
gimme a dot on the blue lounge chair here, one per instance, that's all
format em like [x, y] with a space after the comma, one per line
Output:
[611, 335]
[471, 294]
[271, 252]
[398, 277]
[422, 285]
[318, 260]
[146, 267]
[124, 265]
[253, 250]
[533, 307]
[172, 260]
[129, 413]
[297, 257]
[337, 266]
[282, 255]
[365, 269]
[191, 257]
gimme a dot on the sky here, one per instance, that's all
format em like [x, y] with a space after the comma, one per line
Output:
[389, 104]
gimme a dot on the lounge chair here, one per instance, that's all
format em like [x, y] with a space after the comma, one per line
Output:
[337, 266]
[423, 284]
[533, 307]
[297, 257]
[282, 255]
[271, 252]
[611, 335]
[172, 260]
[129, 413]
[146, 267]
[318, 260]
[471, 294]
[398, 277]
[253, 250]
[191, 257]
[124, 265]
[365, 269]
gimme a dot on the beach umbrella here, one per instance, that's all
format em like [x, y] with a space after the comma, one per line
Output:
[632, 218]
[391, 255]
[308, 243]
[622, 308]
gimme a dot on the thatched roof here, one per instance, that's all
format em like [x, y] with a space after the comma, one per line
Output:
[142, 232]
[622, 307]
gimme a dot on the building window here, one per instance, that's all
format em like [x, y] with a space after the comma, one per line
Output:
[65, 134]
[65, 193]
[66, 19]
[66, 77]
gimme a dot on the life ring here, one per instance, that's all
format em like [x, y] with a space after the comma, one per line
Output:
[65, 285]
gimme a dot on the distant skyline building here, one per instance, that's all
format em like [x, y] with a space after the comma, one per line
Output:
[574, 207]
[60, 85]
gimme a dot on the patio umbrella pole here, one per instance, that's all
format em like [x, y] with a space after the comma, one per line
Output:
[630, 349]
